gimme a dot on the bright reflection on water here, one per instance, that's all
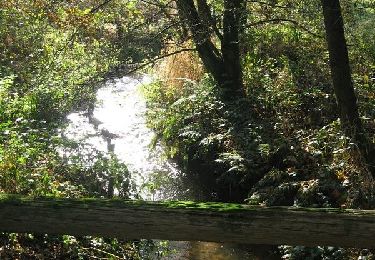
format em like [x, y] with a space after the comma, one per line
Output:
[118, 123]
[119, 119]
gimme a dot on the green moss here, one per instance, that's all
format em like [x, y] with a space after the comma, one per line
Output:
[213, 206]
[6, 199]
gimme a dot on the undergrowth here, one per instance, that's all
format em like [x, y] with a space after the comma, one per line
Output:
[283, 145]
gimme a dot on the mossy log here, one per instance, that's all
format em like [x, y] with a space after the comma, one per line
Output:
[216, 222]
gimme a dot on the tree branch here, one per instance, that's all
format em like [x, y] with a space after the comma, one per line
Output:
[295, 23]
[158, 4]
[97, 8]
[152, 61]
[265, 3]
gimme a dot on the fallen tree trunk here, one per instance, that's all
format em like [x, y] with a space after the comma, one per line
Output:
[216, 222]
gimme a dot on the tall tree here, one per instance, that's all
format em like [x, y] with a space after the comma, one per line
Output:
[342, 80]
[223, 64]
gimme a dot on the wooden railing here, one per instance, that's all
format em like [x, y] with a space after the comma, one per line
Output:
[176, 220]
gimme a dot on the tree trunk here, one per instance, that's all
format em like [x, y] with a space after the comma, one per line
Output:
[230, 48]
[224, 66]
[207, 51]
[215, 222]
[205, 15]
[342, 80]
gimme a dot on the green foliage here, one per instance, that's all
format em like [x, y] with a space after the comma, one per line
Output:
[285, 136]
[97, 174]
[69, 247]
[50, 60]
[301, 252]
[198, 132]
[284, 144]
[52, 56]
[187, 122]
[281, 146]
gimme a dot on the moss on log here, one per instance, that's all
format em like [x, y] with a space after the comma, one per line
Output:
[177, 220]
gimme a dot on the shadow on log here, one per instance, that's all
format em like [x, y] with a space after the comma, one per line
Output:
[177, 220]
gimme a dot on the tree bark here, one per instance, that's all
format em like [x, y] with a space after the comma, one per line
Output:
[207, 51]
[224, 65]
[230, 48]
[216, 222]
[342, 80]
[206, 16]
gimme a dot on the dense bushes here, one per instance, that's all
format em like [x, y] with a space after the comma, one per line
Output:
[50, 59]
[51, 56]
[283, 145]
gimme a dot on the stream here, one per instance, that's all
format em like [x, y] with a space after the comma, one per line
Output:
[117, 124]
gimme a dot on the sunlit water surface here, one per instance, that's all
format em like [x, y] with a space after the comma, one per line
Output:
[118, 122]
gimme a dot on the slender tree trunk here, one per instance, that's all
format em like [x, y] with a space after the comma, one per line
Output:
[342, 80]
[339, 63]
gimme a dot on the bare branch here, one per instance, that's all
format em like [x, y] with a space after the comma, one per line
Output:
[154, 60]
[160, 5]
[280, 20]
[97, 8]
[265, 3]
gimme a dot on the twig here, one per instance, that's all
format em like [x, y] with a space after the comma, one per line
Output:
[160, 5]
[143, 65]
[295, 23]
[265, 3]
[97, 8]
